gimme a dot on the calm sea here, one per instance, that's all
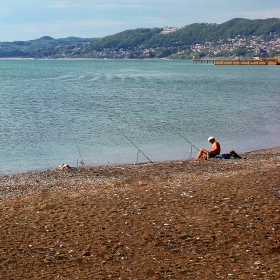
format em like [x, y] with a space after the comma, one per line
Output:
[103, 111]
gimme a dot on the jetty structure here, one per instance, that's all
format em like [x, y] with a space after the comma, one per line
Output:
[270, 61]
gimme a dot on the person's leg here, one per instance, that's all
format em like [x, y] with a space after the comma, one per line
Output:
[201, 153]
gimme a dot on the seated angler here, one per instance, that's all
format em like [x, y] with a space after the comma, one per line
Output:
[215, 149]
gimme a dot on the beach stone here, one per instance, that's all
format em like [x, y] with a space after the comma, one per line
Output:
[64, 166]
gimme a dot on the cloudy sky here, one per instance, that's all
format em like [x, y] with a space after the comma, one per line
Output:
[31, 19]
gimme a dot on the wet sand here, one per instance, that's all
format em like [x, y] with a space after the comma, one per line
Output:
[192, 219]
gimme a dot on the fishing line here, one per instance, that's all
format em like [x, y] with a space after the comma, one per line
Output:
[82, 161]
[169, 125]
[130, 142]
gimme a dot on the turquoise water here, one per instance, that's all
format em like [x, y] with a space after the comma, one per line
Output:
[57, 111]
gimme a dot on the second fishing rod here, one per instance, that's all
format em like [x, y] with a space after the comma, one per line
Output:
[130, 142]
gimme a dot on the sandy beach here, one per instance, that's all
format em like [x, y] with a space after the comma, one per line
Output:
[191, 219]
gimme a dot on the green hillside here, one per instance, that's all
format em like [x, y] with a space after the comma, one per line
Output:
[154, 43]
[191, 34]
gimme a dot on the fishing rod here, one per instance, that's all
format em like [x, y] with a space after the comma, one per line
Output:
[82, 161]
[180, 135]
[130, 142]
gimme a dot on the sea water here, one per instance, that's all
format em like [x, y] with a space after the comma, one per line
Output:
[107, 112]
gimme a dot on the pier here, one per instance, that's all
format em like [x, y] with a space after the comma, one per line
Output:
[239, 62]
[195, 60]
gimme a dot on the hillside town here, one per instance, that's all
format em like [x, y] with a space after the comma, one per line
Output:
[257, 46]
[234, 48]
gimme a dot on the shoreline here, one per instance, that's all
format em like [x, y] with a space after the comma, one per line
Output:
[61, 177]
[122, 164]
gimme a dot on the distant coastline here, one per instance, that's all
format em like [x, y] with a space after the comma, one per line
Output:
[238, 37]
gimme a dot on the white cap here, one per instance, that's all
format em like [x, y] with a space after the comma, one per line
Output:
[211, 138]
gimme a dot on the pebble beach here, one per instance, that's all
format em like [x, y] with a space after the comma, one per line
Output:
[187, 219]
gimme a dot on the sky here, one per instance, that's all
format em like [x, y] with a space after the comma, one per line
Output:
[22, 20]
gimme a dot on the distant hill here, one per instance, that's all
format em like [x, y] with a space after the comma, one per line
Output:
[145, 42]
[35, 48]
[190, 34]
